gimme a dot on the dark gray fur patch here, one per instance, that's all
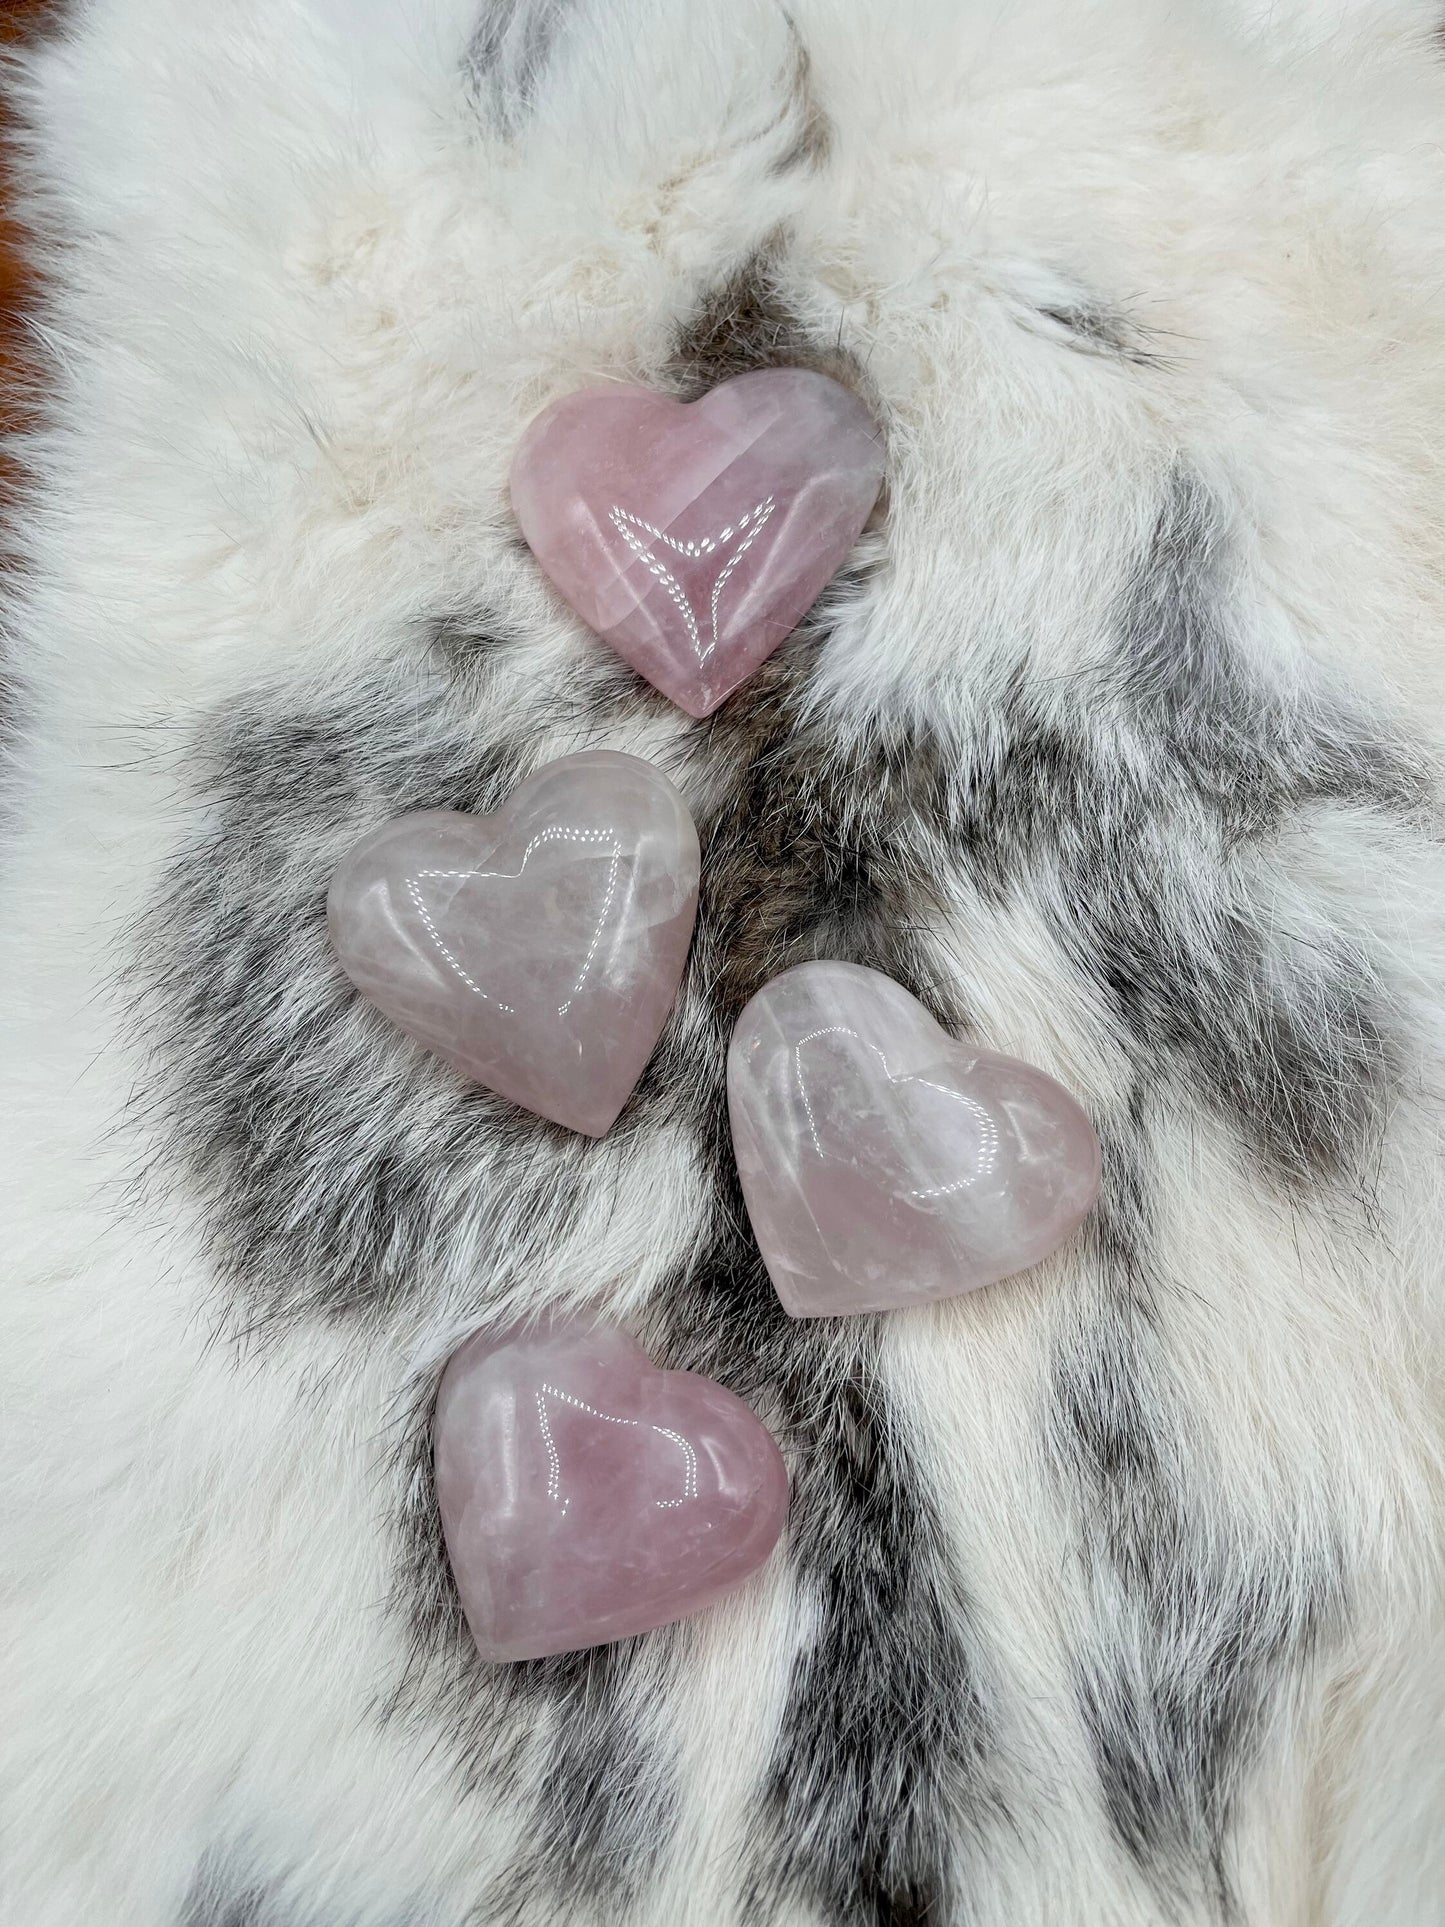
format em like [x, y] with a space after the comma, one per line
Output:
[1289, 1038]
[1217, 722]
[341, 1168]
[508, 54]
[1202, 1626]
[743, 322]
[886, 1765]
[1128, 814]
[603, 1815]
[221, 1896]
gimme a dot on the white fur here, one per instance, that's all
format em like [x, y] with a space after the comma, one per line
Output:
[303, 301]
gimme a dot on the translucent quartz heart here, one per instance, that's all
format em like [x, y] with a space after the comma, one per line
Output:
[585, 1495]
[884, 1163]
[695, 535]
[538, 949]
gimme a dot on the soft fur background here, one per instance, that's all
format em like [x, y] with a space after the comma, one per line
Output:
[1111, 1595]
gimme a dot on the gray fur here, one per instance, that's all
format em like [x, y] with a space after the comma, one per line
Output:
[1139, 860]
[221, 1896]
[334, 1157]
[743, 321]
[1200, 1624]
[508, 54]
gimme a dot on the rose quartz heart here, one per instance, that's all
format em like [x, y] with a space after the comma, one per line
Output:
[694, 536]
[538, 949]
[585, 1495]
[885, 1164]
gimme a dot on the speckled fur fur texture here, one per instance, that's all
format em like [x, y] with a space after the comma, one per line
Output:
[1110, 1596]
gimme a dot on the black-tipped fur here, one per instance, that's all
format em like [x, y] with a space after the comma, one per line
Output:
[1130, 806]
[1201, 1625]
[887, 1762]
[745, 322]
[220, 1896]
[339, 1164]
[508, 54]
[876, 1772]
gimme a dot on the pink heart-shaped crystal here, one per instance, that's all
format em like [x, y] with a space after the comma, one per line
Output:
[886, 1164]
[538, 949]
[585, 1495]
[694, 536]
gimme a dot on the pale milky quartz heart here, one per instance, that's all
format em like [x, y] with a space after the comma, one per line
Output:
[886, 1164]
[694, 536]
[585, 1495]
[538, 949]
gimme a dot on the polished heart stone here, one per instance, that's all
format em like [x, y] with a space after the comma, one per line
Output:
[886, 1164]
[694, 536]
[538, 949]
[585, 1495]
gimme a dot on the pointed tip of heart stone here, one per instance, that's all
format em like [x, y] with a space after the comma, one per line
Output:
[538, 949]
[883, 1162]
[586, 1496]
[694, 536]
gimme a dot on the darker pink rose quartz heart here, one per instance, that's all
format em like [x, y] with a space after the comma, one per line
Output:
[585, 1495]
[538, 949]
[883, 1162]
[694, 536]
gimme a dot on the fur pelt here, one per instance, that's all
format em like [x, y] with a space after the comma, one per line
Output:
[1111, 1595]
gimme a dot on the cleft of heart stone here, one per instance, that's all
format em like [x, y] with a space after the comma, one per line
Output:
[538, 949]
[694, 536]
[585, 1495]
[884, 1163]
